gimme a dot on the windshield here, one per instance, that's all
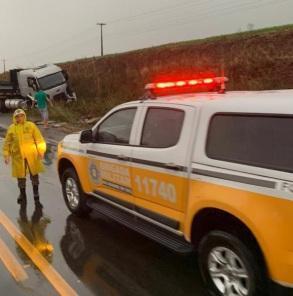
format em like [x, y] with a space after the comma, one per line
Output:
[51, 81]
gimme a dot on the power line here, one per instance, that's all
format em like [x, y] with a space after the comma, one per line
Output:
[53, 45]
[219, 10]
[154, 11]
[91, 28]
[125, 19]
[163, 20]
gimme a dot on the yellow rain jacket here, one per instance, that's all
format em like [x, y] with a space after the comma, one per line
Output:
[24, 142]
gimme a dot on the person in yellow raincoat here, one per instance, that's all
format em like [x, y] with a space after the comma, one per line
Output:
[25, 146]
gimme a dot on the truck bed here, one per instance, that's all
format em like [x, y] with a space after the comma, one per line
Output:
[6, 85]
[7, 89]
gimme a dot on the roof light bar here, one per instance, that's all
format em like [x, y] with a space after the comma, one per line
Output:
[169, 85]
[193, 82]
[208, 81]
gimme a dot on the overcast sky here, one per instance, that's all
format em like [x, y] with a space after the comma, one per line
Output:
[34, 32]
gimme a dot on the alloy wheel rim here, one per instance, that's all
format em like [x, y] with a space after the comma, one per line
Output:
[72, 193]
[228, 272]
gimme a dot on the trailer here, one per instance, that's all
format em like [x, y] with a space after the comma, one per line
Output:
[19, 91]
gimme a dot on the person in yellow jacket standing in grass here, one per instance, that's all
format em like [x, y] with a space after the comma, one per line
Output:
[25, 147]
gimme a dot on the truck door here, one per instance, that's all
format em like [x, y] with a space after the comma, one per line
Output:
[109, 157]
[26, 83]
[160, 161]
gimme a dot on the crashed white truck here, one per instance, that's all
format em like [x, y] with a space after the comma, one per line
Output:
[20, 90]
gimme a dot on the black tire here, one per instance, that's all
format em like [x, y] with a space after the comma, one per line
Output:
[3, 108]
[220, 243]
[76, 203]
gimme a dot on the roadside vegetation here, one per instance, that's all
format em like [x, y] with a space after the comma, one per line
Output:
[76, 115]
[81, 111]
[254, 60]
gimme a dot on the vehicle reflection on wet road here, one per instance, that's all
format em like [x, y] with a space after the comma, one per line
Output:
[109, 257]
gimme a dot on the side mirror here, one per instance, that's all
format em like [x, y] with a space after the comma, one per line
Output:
[86, 136]
[65, 74]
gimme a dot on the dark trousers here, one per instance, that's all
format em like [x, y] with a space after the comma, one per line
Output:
[22, 181]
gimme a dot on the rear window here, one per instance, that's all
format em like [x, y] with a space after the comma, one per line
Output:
[257, 140]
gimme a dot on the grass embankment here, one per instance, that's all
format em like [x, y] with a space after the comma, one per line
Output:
[256, 60]
[74, 115]
[77, 113]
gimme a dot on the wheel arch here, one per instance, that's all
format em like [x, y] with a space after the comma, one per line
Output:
[209, 219]
[64, 164]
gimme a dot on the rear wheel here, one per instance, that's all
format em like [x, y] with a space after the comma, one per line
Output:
[73, 194]
[229, 267]
[3, 108]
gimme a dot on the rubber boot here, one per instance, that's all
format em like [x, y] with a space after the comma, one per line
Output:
[37, 196]
[22, 196]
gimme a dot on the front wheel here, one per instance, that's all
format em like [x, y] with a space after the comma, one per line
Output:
[73, 194]
[229, 267]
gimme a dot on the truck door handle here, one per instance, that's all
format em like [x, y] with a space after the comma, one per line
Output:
[172, 166]
[122, 157]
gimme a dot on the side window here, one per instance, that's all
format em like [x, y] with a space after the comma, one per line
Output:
[116, 128]
[31, 81]
[257, 140]
[162, 127]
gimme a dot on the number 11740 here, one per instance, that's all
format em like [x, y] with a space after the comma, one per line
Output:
[155, 188]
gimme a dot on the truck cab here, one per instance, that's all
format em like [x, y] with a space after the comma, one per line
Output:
[19, 91]
[208, 171]
[49, 78]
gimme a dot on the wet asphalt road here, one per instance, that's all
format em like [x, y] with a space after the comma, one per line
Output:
[95, 256]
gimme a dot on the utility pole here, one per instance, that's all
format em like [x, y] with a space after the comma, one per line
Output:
[4, 66]
[102, 45]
